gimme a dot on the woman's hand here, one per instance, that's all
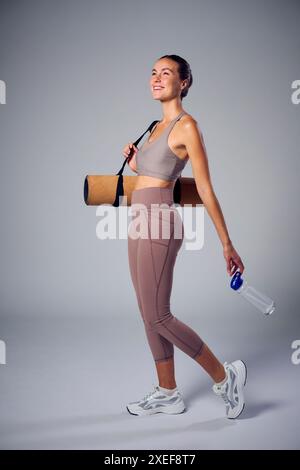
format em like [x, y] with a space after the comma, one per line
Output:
[130, 150]
[233, 259]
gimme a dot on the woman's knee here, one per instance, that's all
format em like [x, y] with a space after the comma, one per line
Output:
[156, 324]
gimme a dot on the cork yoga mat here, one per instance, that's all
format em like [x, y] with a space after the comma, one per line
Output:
[102, 189]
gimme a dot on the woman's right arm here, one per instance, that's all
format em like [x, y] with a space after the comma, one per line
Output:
[131, 151]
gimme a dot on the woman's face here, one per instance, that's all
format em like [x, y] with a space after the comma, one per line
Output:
[165, 82]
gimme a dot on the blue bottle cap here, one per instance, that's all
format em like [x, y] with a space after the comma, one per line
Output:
[236, 281]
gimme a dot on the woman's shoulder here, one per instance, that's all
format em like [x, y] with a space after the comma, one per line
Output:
[188, 118]
[190, 124]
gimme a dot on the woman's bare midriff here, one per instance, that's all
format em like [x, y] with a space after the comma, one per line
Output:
[149, 181]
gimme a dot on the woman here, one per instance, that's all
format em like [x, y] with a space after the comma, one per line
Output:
[172, 142]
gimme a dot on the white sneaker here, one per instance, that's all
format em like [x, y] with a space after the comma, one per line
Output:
[157, 402]
[232, 390]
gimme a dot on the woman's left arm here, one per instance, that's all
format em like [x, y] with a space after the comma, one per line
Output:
[194, 143]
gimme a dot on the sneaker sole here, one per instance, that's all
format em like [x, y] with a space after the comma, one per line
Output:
[242, 372]
[171, 410]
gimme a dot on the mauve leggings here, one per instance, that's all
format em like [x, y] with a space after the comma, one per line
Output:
[152, 257]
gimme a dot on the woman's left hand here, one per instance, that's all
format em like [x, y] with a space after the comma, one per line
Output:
[233, 260]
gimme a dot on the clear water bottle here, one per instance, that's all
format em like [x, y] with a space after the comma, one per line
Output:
[259, 300]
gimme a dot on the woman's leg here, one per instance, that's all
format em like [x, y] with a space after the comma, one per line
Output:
[207, 360]
[161, 348]
[154, 273]
[211, 364]
[151, 265]
[166, 373]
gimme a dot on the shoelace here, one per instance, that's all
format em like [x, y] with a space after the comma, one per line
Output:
[223, 394]
[225, 397]
[150, 393]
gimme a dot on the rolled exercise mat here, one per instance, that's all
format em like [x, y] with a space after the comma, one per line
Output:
[101, 189]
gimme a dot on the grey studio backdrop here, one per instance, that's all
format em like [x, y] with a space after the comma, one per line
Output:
[76, 75]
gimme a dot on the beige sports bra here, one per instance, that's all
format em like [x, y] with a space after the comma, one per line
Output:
[157, 159]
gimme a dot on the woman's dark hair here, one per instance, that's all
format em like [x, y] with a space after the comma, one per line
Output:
[184, 71]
